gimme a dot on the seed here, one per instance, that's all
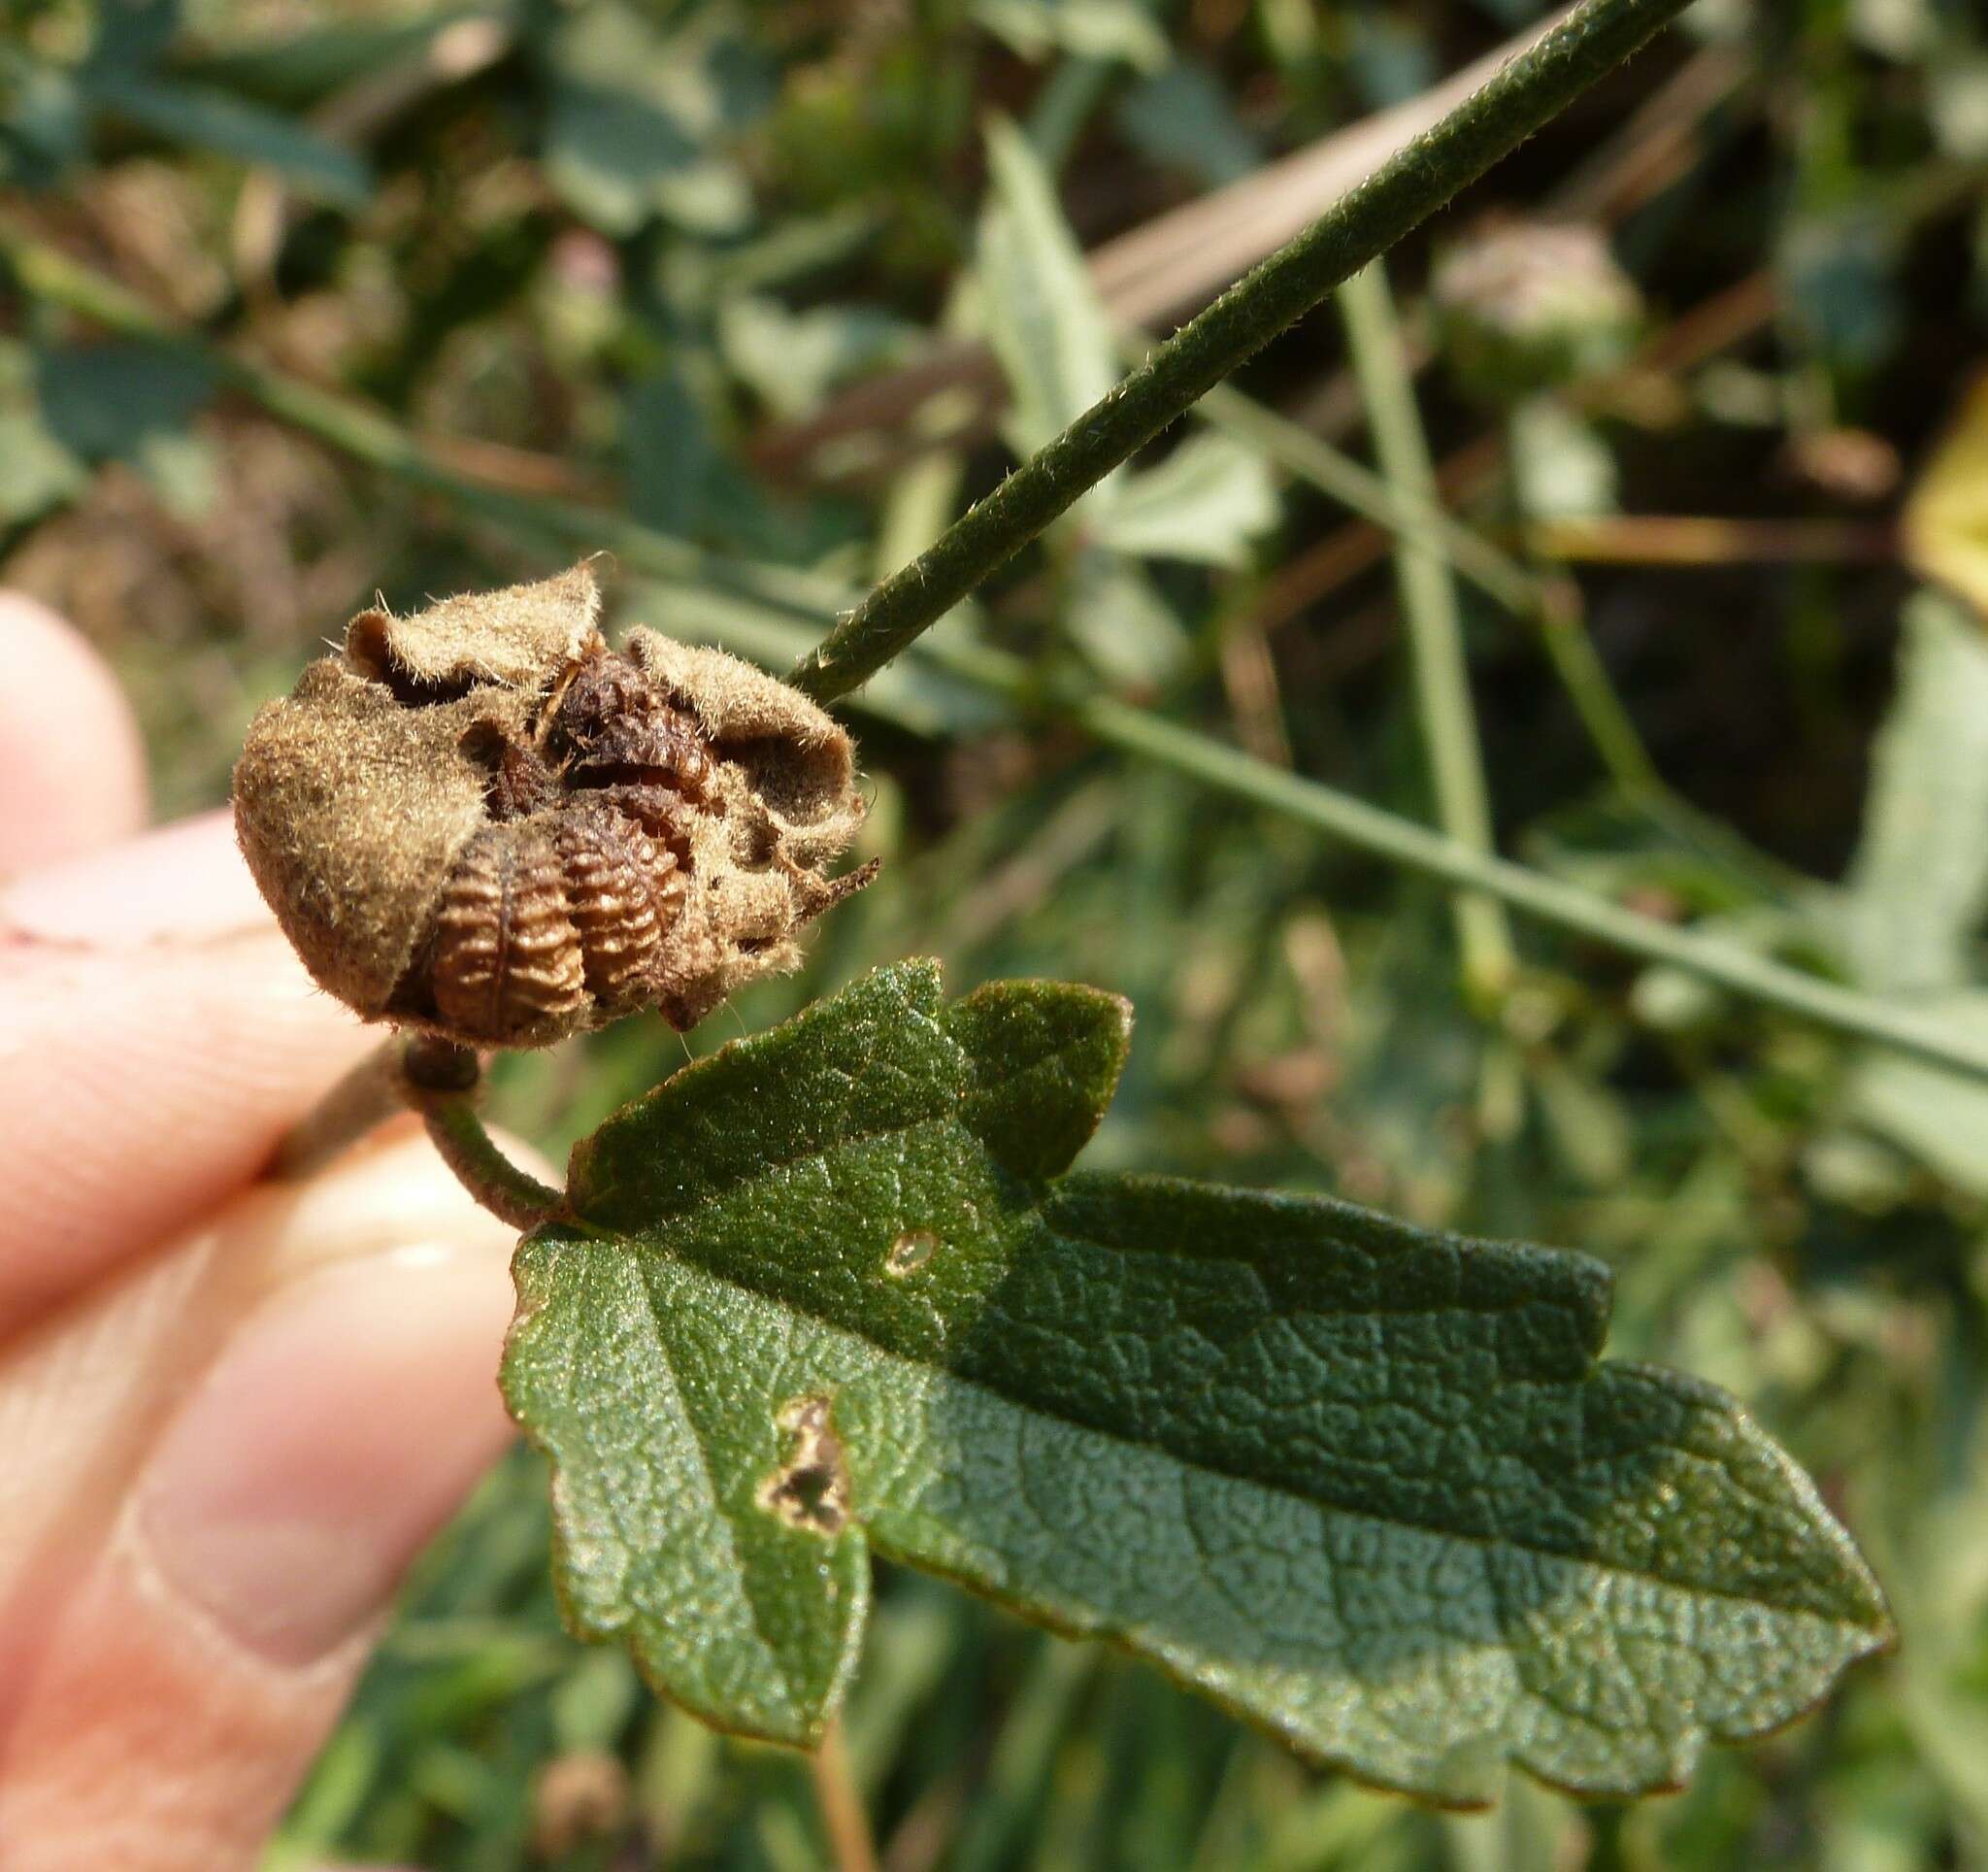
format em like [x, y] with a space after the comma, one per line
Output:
[521, 782]
[612, 726]
[507, 963]
[624, 896]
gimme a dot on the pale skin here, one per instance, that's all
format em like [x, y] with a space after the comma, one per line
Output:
[233, 1411]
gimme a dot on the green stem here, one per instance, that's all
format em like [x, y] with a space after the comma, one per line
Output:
[440, 1080]
[508, 1192]
[1551, 600]
[1571, 908]
[1415, 181]
[1435, 625]
[1585, 676]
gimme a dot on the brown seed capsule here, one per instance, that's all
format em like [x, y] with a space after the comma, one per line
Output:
[481, 822]
[505, 967]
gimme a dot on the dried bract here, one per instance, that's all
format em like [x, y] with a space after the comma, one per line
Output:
[484, 823]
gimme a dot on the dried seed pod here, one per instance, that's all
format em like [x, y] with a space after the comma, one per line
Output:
[482, 821]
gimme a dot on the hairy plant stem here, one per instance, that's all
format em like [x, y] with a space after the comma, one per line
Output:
[440, 1081]
[1435, 625]
[362, 1101]
[1597, 36]
[508, 1192]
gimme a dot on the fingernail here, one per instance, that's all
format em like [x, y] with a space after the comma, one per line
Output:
[332, 1438]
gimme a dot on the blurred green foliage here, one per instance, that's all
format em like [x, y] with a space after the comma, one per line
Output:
[640, 254]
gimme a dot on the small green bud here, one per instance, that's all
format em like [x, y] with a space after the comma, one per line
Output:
[1524, 306]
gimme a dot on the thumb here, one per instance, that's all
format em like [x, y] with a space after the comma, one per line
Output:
[238, 1448]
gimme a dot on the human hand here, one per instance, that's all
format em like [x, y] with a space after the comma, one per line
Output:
[232, 1409]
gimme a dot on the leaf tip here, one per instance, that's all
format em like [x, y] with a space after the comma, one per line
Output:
[1044, 1060]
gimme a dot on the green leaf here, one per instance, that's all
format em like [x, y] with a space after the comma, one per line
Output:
[1043, 318]
[1109, 29]
[1205, 503]
[826, 1291]
[111, 398]
[793, 359]
[132, 34]
[43, 126]
[36, 472]
[1114, 613]
[1919, 885]
[212, 119]
[616, 157]
[636, 119]
[1941, 1117]
[1919, 881]
[37, 469]
[295, 68]
[1182, 117]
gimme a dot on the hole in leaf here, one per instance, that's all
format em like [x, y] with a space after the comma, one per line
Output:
[910, 1251]
[811, 1489]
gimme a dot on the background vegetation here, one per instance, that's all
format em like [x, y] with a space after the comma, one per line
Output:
[716, 275]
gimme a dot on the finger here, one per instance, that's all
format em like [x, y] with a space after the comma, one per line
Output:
[72, 770]
[233, 1453]
[142, 1079]
[140, 1090]
[178, 884]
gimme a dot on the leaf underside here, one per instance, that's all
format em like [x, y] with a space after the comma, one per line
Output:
[830, 1291]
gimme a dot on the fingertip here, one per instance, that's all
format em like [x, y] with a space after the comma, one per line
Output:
[287, 1496]
[72, 766]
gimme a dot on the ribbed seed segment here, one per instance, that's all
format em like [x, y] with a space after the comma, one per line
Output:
[656, 743]
[624, 893]
[613, 722]
[507, 956]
